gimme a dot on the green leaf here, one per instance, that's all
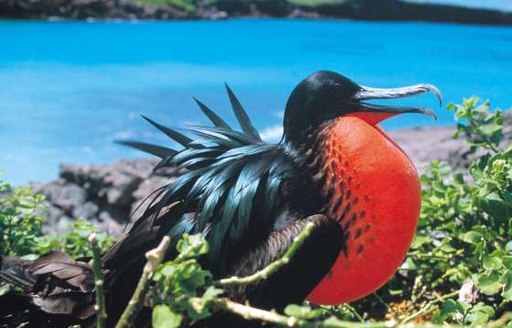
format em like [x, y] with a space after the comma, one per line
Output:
[507, 294]
[446, 247]
[212, 292]
[449, 310]
[419, 241]
[489, 284]
[164, 317]
[507, 261]
[480, 314]
[472, 237]
[302, 312]
[492, 262]
[494, 205]
[409, 264]
[192, 245]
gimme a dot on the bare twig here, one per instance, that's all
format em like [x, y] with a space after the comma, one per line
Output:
[354, 312]
[501, 322]
[429, 307]
[274, 266]
[101, 314]
[154, 257]
[249, 313]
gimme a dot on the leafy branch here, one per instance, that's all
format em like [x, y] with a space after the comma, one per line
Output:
[429, 307]
[154, 257]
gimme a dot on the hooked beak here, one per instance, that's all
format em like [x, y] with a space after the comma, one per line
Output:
[367, 93]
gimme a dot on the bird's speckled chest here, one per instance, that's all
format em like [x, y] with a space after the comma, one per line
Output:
[372, 189]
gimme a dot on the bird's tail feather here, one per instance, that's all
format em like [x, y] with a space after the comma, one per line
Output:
[14, 308]
[57, 291]
[16, 271]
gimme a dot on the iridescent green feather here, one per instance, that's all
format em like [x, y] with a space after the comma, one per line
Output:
[226, 173]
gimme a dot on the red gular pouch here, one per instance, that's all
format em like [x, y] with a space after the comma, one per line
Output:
[379, 211]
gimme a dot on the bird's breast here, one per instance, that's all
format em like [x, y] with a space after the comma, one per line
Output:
[372, 188]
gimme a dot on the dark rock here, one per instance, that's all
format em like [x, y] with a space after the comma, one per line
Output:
[63, 195]
[87, 211]
[105, 194]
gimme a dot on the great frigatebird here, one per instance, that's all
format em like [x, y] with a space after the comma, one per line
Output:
[335, 167]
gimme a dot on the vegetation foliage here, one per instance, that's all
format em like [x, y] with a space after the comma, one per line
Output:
[20, 225]
[21, 229]
[191, 5]
[458, 270]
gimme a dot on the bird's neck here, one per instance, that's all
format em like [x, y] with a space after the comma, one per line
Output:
[372, 189]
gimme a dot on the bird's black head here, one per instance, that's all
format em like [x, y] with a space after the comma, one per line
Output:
[325, 95]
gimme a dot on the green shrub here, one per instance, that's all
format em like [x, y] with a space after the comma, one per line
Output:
[75, 243]
[20, 226]
[21, 229]
[465, 230]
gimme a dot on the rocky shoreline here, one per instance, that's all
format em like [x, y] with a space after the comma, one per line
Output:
[381, 10]
[106, 195]
[109, 195]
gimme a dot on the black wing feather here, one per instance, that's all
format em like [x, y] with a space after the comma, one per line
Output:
[216, 120]
[241, 115]
[175, 135]
[231, 183]
[160, 151]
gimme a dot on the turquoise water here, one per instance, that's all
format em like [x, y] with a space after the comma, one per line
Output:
[67, 89]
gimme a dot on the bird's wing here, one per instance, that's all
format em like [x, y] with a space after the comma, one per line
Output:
[293, 282]
[53, 284]
[229, 191]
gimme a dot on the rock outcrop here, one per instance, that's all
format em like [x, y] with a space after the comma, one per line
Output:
[106, 195]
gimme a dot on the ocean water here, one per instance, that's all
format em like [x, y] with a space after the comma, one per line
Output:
[69, 89]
